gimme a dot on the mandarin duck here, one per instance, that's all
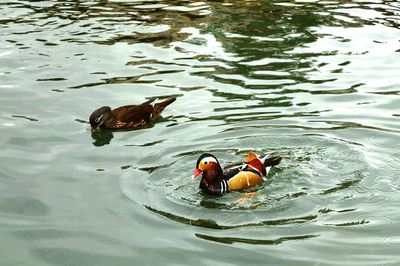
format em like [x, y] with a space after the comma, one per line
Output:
[215, 181]
[128, 116]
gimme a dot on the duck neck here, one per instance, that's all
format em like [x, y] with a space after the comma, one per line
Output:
[211, 176]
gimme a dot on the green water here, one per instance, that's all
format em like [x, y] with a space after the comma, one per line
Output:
[316, 82]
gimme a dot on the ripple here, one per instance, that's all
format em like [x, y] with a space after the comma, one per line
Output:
[378, 221]
[313, 81]
[342, 185]
[232, 240]
[353, 223]
[384, 184]
[393, 240]
[211, 224]
[306, 172]
[26, 117]
[267, 61]
[59, 256]
[23, 205]
[35, 234]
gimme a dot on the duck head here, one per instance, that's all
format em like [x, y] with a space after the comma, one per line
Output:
[98, 117]
[208, 165]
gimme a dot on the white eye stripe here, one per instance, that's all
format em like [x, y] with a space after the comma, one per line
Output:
[208, 160]
[98, 119]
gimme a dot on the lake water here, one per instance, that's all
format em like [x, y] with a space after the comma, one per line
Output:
[317, 82]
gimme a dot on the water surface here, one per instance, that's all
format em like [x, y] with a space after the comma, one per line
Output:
[313, 81]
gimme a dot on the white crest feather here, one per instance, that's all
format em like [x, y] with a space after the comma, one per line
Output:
[208, 159]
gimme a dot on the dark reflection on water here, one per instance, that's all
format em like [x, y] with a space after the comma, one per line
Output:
[232, 240]
[351, 223]
[102, 137]
[213, 225]
[26, 117]
[343, 185]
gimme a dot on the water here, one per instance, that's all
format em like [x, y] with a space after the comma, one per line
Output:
[316, 82]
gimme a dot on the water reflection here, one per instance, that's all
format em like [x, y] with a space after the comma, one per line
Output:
[102, 137]
[26, 117]
[314, 81]
[211, 224]
[232, 240]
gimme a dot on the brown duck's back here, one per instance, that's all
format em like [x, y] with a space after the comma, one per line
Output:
[132, 113]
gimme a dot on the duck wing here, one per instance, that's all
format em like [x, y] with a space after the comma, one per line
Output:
[241, 177]
[231, 172]
[135, 115]
[253, 172]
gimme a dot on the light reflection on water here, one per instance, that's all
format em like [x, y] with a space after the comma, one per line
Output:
[315, 82]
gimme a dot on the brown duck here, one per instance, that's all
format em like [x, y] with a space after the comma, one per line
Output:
[128, 116]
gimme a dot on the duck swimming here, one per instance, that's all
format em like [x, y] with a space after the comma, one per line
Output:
[128, 116]
[215, 181]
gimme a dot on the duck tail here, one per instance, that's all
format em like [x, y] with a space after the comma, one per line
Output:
[268, 162]
[159, 107]
[272, 161]
[152, 101]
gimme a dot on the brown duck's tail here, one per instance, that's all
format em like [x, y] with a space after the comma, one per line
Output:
[159, 107]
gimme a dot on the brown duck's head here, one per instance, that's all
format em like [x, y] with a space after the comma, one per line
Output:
[206, 162]
[98, 117]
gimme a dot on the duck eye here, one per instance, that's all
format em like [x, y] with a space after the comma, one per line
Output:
[205, 162]
[97, 120]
